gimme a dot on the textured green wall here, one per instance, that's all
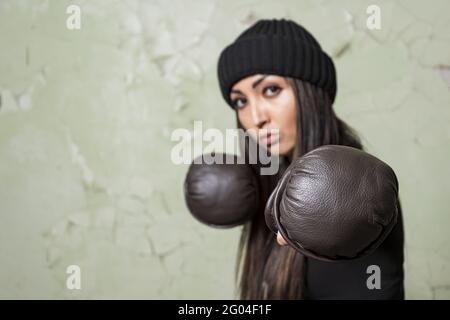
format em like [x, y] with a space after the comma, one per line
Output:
[86, 118]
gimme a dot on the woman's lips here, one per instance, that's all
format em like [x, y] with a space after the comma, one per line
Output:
[269, 139]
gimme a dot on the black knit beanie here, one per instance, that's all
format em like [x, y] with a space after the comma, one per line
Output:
[277, 46]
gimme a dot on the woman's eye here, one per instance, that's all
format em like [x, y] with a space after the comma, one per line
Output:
[271, 90]
[238, 103]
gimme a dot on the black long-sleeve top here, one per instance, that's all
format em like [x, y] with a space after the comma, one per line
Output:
[348, 280]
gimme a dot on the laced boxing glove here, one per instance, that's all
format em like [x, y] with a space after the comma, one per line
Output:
[334, 203]
[221, 195]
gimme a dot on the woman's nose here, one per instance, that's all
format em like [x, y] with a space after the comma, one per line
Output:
[259, 115]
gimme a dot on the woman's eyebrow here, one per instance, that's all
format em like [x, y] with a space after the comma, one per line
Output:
[253, 85]
[258, 81]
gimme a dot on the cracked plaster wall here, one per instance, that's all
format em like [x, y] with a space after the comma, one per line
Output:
[86, 117]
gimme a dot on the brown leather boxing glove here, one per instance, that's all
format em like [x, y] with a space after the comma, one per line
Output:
[222, 194]
[334, 203]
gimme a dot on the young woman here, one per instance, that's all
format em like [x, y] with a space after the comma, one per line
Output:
[276, 76]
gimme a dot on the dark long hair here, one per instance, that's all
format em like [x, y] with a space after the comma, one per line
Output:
[264, 269]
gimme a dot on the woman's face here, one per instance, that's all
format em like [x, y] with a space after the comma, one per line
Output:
[266, 102]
